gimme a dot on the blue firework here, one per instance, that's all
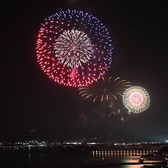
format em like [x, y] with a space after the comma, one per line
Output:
[74, 48]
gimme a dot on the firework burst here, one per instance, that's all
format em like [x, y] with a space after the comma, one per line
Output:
[105, 89]
[74, 48]
[136, 99]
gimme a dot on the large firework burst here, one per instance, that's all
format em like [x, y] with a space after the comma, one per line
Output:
[105, 89]
[136, 99]
[74, 48]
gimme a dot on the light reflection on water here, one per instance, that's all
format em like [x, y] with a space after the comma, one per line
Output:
[120, 161]
[122, 158]
[98, 155]
[128, 159]
[131, 160]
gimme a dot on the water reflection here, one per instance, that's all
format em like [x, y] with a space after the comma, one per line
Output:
[117, 154]
[130, 160]
[110, 158]
[122, 158]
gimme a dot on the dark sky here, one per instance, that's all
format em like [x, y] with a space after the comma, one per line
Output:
[32, 101]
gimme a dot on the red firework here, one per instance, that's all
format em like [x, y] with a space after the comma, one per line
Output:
[74, 48]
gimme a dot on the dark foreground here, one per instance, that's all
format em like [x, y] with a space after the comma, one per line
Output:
[73, 158]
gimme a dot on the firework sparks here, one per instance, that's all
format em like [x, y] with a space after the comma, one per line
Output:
[136, 99]
[105, 89]
[74, 48]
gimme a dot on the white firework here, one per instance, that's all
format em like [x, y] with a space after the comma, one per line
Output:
[72, 48]
[136, 99]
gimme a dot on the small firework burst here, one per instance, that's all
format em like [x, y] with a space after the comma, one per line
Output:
[136, 99]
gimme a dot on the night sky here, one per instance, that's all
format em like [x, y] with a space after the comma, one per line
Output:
[32, 101]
